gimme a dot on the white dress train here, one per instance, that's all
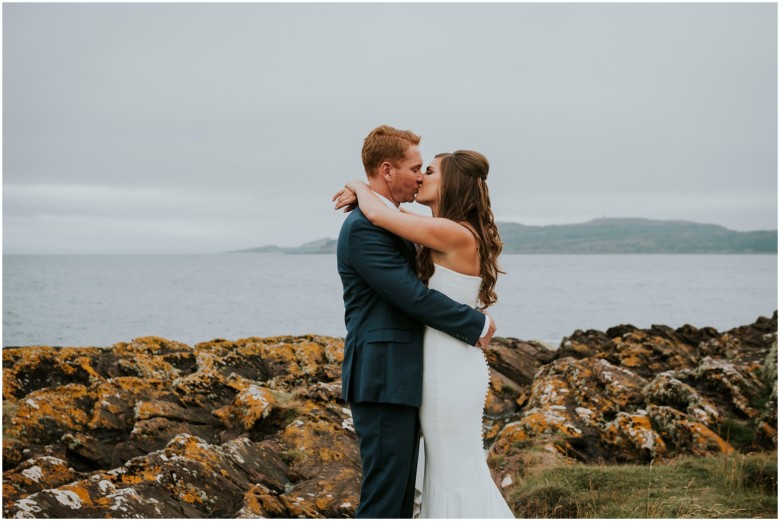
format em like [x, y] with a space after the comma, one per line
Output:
[457, 481]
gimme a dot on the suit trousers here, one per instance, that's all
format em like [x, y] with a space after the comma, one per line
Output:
[389, 437]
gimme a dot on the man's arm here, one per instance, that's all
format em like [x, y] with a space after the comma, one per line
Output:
[375, 256]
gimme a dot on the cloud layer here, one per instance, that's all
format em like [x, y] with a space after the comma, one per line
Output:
[141, 128]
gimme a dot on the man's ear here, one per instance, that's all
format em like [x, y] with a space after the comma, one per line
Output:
[385, 170]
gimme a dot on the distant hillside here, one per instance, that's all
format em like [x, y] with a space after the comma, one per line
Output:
[634, 236]
[603, 236]
[318, 246]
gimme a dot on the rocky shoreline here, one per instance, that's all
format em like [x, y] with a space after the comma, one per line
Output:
[256, 427]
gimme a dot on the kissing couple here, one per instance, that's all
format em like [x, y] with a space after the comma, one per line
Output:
[415, 291]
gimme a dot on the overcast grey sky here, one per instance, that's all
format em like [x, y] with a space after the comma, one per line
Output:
[142, 128]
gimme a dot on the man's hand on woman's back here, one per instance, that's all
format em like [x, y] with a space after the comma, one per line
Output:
[485, 340]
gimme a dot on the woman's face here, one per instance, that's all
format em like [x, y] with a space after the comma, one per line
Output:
[429, 192]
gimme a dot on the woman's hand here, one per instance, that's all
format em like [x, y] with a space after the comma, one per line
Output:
[345, 198]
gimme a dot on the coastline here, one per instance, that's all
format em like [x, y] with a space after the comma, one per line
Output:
[256, 426]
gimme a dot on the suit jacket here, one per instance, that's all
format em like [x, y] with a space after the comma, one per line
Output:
[386, 308]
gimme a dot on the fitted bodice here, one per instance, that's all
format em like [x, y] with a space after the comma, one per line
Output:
[459, 287]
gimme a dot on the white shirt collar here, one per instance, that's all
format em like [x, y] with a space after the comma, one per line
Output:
[387, 202]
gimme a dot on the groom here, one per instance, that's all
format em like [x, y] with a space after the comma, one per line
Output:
[386, 310]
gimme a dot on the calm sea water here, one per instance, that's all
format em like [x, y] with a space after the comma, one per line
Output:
[100, 300]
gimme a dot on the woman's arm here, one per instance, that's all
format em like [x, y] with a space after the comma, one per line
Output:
[404, 210]
[346, 199]
[439, 234]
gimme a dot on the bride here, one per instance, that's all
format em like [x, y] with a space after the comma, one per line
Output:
[458, 256]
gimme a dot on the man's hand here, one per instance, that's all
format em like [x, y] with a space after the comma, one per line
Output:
[485, 340]
[345, 198]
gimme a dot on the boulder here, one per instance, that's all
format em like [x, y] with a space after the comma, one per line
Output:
[256, 427]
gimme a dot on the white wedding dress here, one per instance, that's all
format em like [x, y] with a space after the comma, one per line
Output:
[457, 481]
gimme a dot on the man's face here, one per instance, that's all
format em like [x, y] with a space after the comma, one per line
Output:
[406, 176]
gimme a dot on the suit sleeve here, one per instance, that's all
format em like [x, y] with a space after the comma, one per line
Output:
[376, 258]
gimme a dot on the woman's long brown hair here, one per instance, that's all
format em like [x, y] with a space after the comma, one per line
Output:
[463, 197]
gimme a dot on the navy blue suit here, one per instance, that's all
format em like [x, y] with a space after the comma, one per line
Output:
[386, 309]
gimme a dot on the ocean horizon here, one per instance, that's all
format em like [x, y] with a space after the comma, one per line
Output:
[99, 300]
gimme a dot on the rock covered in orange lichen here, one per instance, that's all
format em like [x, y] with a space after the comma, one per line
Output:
[729, 381]
[767, 422]
[189, 477]
[32, 368]
[685, 435]
[34, 475]
[666, 389]
[165, 430]
[261, 502]
[44, 415]
[582, 344]
[634, 434]
[647, 354]
[250, 405]
[501, 400]
[516, 359]
[321, 448]
[256, 427]
[571, 405]
[597, 408]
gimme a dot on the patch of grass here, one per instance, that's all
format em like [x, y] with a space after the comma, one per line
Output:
[10, 408]
[547, 501]
[760, 400]
[497, 461]
[741, 485]
[740, 434]
[286, 398]
[749, 473]
[291, 457]
[284, 412]
[289, 404]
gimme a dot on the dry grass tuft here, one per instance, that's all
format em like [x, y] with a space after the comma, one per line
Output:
[729, 486]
